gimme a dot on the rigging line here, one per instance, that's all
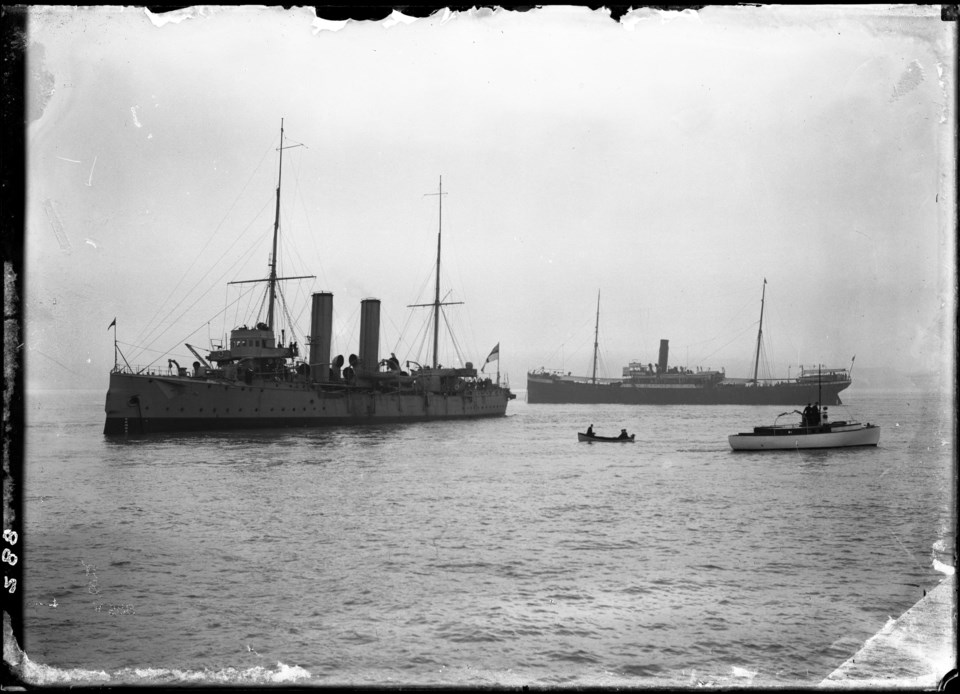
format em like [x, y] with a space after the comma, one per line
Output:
[731, 341]
[453, 338]
[577, 348]
[353, 332]
[300, 297]
[216, 230]
[170, 350]
[149, 336]
[130, 344]
[236, 313]
[602, 371]
[290, 323]
[399, 346]
[396, 329]
[452, 252]
[334, 336]
[780, 321]
[290, 239]
[456, 327]
[423, 287]
[261, 310]
[247, 311]
[244, 257]
[420, 352]
[34, 350]
[423, 351]
[306, 214]
[460, 320]
[403, 331]
[226, 299]
[298, 319]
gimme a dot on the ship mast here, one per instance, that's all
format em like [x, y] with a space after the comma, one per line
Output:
[436, 300]
[756, 363]
[276, 229]
[273, 279]
[596, 341]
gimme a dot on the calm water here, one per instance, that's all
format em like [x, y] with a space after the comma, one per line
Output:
[477, 553]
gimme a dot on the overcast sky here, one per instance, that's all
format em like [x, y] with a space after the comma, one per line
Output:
[671, 161]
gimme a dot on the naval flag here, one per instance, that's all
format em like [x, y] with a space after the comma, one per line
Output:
[112, 323]
[493, 356]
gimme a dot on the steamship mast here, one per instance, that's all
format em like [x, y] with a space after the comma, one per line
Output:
[756, 363]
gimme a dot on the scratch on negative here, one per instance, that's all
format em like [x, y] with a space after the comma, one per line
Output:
[92, 166]
[54, 217]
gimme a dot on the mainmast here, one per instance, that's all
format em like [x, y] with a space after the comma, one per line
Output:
[276, 229]
[436, 300]
[596, 339]
[756, 363]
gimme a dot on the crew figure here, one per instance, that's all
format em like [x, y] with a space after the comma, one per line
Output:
[623, 434]
[807, 416]
[590, 430]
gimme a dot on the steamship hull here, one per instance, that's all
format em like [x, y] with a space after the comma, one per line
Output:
[151, 403]
[556, 390]
[661, 384]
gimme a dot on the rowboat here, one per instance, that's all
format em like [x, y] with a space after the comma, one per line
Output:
[825, 434]
[604, 439]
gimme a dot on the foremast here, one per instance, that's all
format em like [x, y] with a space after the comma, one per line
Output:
[276, 233]
[263, 335]
[596, 339]
[756, 363]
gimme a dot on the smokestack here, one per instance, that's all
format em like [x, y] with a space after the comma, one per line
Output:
[369, 335]
[321, 327]
[664, 350]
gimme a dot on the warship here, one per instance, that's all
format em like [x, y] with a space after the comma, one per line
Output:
[255, 380]
[662, 384]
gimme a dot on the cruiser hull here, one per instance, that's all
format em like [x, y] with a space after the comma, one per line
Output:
[555, 391]
[143, 404]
